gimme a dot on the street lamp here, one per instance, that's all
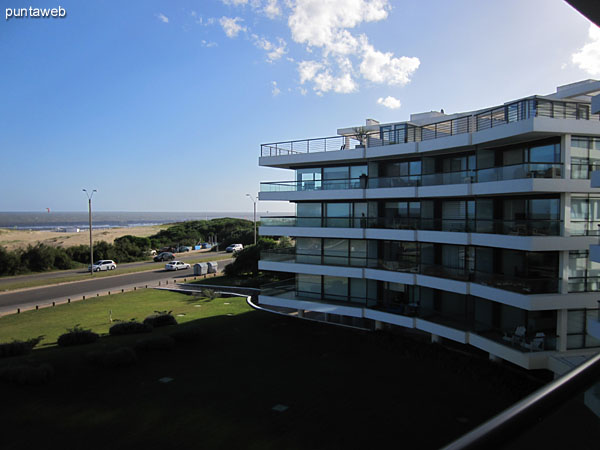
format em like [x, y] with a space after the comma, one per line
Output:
[89, 196]
[253, 201]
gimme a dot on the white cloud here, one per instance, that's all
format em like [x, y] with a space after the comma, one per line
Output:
[275, 90]
[272, 9]
[323, 23]
[201, 20]
[308, 70]
[327, 27]
[382, 67]
[231, 26]
[588, 56]
[162, 18]
[389, 102]
[274, 51]
[208, 44]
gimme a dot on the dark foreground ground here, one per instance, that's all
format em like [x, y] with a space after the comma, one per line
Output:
[343, 388]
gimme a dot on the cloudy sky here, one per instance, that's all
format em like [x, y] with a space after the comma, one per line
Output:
[162, 105]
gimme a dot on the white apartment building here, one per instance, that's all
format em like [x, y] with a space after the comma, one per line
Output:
[474, 227]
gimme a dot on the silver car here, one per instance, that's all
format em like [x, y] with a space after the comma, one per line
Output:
[177, 265]
[103, 264]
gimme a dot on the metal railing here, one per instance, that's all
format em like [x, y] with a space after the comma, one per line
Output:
[523, 285]
[512, 172]
[316, 145]
[523, 416]
[521, 227]
[406, 132]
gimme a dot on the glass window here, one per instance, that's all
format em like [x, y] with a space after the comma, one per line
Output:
[335, 288]
[308, 179]
[358, 253]
[308, 214]
[357, 171]
[545, 154]
[308, 285]
[335, 251]
[338, 214]
[358, 290]
[308, 250]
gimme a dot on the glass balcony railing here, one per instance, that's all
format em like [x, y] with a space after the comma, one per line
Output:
[531, 340]
[523, 285]
[405, 132]
[512, 172]
[518, 171]
[534, 227]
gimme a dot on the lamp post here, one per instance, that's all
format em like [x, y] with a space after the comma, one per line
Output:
[89, 196]
[253, 201]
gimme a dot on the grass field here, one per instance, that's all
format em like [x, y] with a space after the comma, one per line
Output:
[95, 313]
[343, 388]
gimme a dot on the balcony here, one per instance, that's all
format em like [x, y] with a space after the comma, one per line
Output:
[512, 172]
[506, 227]
[523, 285]
[406, 132]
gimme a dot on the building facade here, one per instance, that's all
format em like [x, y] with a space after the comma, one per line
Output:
[474, 227]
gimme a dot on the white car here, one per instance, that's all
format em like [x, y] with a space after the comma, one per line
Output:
[177, 265]
[234, 248]
[103, 264]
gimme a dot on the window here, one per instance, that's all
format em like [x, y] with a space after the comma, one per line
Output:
[584, 275]
[577, 336]
[585, 156]
[585, 215]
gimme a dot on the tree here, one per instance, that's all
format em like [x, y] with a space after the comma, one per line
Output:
[246, 260]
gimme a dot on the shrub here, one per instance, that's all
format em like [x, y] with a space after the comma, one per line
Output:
[160, 319]
[76, 336]
[210, 294]
[189, 334]
[27, 375]
[155, 343]
[17, 348]
[120, 357]
[132, 327]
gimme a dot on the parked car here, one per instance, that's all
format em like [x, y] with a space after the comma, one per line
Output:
[168, 250]
[177, 265]
[206, 245]
[164, 256]
[184, 248]
[234, 248]
[102, 264]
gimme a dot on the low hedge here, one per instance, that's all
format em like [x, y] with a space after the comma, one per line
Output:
[132, 327]
[160, 319]
[76, 336]
[17, 348]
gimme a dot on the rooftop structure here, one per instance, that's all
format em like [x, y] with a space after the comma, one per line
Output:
[474, 227]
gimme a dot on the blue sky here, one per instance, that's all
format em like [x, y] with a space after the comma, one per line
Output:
[163, 105]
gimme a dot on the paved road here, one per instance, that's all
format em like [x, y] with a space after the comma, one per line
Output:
[29, 298]
[65, 273]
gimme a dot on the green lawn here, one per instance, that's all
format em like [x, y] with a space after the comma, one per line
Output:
[343, 388]
[95, 313]
[121, 270]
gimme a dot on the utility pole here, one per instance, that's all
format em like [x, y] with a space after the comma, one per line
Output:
[89, 196]
[253, 201]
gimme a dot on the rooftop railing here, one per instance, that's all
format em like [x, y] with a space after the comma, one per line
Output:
[407, 132]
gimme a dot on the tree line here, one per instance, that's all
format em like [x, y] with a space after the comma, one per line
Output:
[42, 257]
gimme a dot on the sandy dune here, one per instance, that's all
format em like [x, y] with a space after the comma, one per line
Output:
[13, 239]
